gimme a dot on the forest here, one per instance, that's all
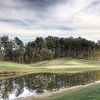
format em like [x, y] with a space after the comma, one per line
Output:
[42, 49]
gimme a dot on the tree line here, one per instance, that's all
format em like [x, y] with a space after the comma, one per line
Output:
[48, 48]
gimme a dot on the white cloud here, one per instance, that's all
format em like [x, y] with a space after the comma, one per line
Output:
[66, 11]
[73, 18]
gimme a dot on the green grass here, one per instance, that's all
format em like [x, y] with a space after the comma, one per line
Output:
[68, 65]
[59, 65]
[87, 93]
[8, 66]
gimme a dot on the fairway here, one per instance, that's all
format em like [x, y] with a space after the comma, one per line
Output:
[9, 66]
[63, 65]
[68, 65]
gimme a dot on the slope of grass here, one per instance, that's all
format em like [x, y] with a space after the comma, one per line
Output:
[88, 93]
[58, 65]
[8, 66]
[68, 65]
[84, 92]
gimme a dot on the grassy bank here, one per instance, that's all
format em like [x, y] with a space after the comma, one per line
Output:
[59, 65]
[88, 93]
[67, 65]
[9, 69]
[83, 92]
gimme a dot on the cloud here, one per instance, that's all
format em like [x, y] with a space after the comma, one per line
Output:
[32, 18]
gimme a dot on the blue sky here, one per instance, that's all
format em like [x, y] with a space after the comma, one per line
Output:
[29, 19]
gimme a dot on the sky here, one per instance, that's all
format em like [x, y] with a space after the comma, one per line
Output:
[28, 19]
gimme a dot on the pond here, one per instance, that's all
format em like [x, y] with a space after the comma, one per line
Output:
[34, 84]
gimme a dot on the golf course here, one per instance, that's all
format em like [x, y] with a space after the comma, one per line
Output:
[61, 66]
[49, 49]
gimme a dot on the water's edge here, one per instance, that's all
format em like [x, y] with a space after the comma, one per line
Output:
[41, 83]
[46, 95]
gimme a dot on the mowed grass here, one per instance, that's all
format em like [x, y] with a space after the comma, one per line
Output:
[87, 93]
[66, 65]
[63, 65]
[8, 66]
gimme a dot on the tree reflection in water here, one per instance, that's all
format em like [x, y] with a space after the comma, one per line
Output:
[40, 82]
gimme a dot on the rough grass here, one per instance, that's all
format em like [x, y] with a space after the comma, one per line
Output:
[87, 93]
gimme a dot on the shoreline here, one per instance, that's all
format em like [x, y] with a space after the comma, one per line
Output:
[47, 95]
[11, 74]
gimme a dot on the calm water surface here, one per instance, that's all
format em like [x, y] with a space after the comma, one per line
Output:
[34, 84]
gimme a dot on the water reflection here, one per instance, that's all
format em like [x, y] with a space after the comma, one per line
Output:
[34, 84]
